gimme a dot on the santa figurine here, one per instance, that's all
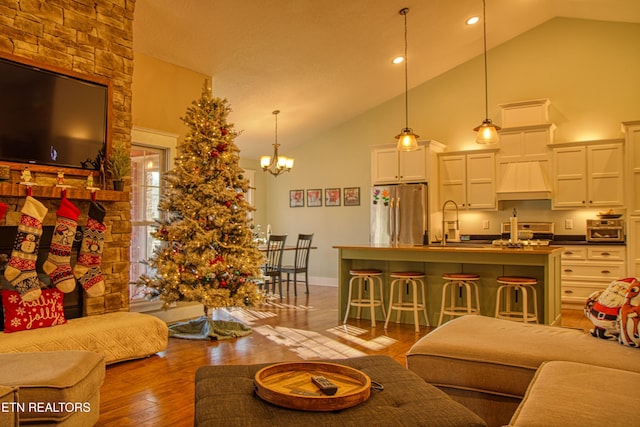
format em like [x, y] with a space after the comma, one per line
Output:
[26, 175]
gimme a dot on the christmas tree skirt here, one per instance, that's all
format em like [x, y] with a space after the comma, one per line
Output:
[204, 328]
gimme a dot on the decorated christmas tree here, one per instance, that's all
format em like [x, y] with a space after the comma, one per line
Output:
[208, 253]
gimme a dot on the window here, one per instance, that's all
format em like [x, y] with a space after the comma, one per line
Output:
[147, 166]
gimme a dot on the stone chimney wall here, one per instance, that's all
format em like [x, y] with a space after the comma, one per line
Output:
[94, 38]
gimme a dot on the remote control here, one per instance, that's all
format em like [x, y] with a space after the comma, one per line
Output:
[325, 386]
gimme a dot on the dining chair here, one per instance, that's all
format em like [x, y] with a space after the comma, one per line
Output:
[300, 263]
[273, 265]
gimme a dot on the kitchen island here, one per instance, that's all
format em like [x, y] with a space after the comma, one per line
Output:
[541, 262]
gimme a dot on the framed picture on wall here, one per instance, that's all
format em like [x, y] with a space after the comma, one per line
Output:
[314, 197]
[352, 196]
[296, 198]
[332, 197]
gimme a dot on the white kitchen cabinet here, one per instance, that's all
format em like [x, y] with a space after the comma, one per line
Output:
[526, 143]
[390, 166]
[632, 146]
[468, 179]
[633, 246]
[588, 175]
[590, 268]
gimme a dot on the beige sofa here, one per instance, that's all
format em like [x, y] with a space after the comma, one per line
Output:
[59, 388]
[489, 365]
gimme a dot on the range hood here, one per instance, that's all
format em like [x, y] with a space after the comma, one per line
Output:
[524, 181]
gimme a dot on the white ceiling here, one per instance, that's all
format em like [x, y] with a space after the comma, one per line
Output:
[323, 62]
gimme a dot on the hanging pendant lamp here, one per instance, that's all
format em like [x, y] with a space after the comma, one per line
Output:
[487, 131]
[276, 164]
[407, 140]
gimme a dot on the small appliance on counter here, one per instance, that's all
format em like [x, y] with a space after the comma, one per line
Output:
[605, 230]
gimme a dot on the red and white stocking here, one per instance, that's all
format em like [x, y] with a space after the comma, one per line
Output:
[57, 266]
[21, 269]
[87, 270]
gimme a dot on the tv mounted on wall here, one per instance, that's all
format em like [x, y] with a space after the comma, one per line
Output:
[48, 118]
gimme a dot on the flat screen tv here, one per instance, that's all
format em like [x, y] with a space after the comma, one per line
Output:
[51, 119]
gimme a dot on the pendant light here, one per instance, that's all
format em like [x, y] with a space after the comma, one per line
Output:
[407, 140]
[487, 131]
[276, 164]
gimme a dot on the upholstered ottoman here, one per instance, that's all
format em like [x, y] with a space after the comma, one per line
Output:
[8, 399]
[58, 387]
[573, 394]
[118, 336]
[224, 395]
[487, 363]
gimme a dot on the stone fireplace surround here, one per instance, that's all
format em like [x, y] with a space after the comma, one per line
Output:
[95, 39]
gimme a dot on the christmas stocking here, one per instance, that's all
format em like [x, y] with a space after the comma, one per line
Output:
[3, 210]
[87, 270]
[21, 269]
[57, 264]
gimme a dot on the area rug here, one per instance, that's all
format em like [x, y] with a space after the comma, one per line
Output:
[204, 328]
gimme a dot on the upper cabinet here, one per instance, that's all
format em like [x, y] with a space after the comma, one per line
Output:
[588, 174]
[468, 179]
[390, 166]
[526, 143]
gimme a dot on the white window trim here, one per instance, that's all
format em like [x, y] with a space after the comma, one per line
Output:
[168, 141]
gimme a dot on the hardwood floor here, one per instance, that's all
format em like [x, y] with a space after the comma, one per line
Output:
[159, 390]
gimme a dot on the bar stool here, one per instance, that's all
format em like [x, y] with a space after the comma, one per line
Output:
[416, 304]
[459, 304]
[512, 286]
[364, 277]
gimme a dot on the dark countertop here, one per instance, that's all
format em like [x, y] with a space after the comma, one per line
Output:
[558, 240]
[456, 247]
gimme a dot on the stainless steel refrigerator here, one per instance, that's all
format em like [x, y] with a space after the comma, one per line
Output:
[399, 214]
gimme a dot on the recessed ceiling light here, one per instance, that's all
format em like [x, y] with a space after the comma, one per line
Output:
[473, 20]
[398, 60]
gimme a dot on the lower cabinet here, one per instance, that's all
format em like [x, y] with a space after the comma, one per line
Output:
[586, 269]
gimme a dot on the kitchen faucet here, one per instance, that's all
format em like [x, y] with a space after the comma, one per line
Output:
[443, 242]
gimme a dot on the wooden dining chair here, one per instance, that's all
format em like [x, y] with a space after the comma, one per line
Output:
[273, 265]
[300, 263]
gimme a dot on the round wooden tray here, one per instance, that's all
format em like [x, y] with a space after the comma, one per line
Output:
[289, 385]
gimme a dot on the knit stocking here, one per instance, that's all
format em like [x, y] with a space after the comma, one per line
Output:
[87, 270]
[21, 269]
[57, 265]
[3, 210]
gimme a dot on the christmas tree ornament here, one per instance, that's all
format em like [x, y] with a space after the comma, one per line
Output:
[21, 269]
[87, 270]
[57, 266]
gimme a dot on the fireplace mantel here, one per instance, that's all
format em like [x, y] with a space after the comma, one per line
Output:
[52, 192]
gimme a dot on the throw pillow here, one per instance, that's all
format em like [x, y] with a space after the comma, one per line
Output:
[629, 316]
[602, 308]
[47, 310]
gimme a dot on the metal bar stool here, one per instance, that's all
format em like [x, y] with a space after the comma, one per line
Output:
[416, 304]
[459, 304]
[364, 277]
[511, 287]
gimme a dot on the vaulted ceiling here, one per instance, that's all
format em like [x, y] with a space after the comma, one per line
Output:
[322, 62]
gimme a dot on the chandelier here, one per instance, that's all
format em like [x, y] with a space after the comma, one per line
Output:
[276, 164]
[407, 140]
[487, 131]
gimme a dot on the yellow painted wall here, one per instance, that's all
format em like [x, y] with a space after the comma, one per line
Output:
[162, 92]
